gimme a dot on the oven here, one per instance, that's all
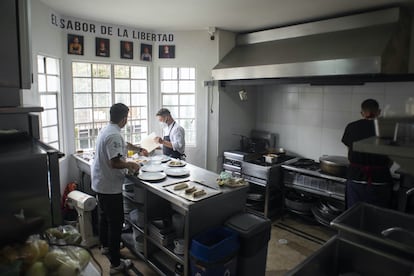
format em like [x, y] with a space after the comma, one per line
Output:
[309, 192]
[265, 195]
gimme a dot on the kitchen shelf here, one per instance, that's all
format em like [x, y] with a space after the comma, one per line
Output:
[135, 226]
[314, 191]
[401, 154]
[129, 242]
[167, 250]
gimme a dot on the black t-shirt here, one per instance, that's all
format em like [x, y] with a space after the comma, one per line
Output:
[379, 164]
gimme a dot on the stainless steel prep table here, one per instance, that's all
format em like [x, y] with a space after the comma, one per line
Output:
[198, 216]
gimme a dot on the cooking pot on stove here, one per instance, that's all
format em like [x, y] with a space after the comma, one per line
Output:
[334, 165]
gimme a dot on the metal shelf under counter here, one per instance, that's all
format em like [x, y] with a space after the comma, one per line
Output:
[400, 153]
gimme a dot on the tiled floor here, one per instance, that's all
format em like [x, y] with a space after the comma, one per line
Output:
[292, 240]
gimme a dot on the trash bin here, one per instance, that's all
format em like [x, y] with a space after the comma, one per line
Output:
[254, 235]
[214, 252]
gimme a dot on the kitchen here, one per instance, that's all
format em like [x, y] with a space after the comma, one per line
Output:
[307, 119]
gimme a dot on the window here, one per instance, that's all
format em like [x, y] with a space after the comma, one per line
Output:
[96, 87]
[49, 89]
[178, 95]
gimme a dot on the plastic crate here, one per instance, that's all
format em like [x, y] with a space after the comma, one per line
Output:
[214, 252]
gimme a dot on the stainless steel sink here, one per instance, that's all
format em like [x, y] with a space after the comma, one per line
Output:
[387, 230]
[342, 257]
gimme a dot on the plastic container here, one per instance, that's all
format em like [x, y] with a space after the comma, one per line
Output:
[214, 252]
[254, 235]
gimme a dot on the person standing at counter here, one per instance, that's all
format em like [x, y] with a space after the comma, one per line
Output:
[369, 176]
[173, 141]
[107, 174]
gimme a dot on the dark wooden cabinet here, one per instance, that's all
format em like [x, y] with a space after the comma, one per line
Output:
[15, 53]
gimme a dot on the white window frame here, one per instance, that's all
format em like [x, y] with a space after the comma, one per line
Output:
[179, 78]
[96, 125]
[56, 143]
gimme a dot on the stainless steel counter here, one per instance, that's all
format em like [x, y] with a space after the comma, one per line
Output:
[402, 154]
[314, 173]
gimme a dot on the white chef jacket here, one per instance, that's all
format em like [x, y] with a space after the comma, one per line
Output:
[109, 144]
[177, 136]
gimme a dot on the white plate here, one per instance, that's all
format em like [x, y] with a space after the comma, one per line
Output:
[176, 163]
[177, 171]
[152, 168]
[163, 158]
[152, 176]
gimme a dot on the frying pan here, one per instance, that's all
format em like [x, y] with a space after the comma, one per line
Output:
[334, 165]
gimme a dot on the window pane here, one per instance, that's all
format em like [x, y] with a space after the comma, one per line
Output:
[169, 73]
[101, 85]
[187, 99]
[82, 85]
[40, 65]
[187, 73]
[101, 70]
[82, 100]
[49, 117]
[122, 86]
[138, 112]
[101, 114]
[139, 99]
[138, 72]
[121, 71]
[139, 86]
[83, 115]
[169, 99]
[187, 86]
[169, 86]
[81, 69]
[122, 98]
[187, 112]
[102, 100]
[52, 66]
[41, 83]
[48, 101]
[50, 134]
[53, 84]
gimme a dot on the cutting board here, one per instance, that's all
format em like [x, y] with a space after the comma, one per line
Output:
[148, 142]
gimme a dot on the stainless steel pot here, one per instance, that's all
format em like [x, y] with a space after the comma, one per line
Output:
[334, 165]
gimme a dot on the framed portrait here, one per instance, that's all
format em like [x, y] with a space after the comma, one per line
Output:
[166, 51]
[127, 49]
[146, 52]
[102, 47]
[75, 44]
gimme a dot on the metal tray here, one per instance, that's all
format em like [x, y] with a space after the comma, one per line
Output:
[209, 191]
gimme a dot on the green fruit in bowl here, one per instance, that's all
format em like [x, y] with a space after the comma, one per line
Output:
[36, 269]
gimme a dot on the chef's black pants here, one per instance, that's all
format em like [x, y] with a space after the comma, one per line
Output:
[379, 195]
[111, 218]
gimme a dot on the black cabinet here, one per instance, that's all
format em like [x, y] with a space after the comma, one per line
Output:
[15, 52]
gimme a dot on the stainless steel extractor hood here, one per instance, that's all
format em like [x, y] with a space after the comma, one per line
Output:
[369, 43]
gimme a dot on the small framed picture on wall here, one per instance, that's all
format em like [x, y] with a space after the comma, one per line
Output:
[102, 47]
[75, 44]
[127, 49]
[146, 52]
[166, 51]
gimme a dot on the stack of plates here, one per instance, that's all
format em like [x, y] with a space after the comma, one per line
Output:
[152, 176]
[177, 172]
[161, 232]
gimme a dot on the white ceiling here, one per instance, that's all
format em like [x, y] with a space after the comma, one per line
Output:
[232, 15]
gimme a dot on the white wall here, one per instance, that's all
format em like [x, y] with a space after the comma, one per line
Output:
[310, 120]
[192, 49]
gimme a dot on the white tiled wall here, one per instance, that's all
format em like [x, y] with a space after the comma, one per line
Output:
[310, 120]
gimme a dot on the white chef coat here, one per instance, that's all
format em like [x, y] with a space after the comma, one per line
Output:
[177, 136]
[109, 144]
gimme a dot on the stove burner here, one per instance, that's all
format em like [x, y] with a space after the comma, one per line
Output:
[305, 163]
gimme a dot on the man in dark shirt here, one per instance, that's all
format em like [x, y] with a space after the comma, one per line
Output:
[369, 177]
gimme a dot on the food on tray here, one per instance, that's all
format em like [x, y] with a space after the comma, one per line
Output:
[190, 190]
[199, 193]
[180, 186]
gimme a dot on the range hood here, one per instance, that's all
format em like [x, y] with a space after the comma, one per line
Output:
[372, 43]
